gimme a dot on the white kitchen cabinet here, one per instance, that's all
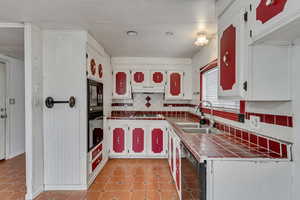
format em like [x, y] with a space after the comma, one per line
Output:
[232, 52]
[139, 79]
[266, 16]
[119, 139]
[174, 158]
[243, 68]
[158, 141]
[138, 139]
[121, 84]
[248, 180]
[148, 81]
[174, 86]
[94, 65]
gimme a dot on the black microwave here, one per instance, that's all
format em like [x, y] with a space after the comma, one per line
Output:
[95, 97]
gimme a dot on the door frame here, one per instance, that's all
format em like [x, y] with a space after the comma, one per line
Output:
[4, 60]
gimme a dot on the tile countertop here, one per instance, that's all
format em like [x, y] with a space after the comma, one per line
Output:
[221, 146]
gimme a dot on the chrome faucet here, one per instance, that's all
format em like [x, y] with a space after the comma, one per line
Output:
[211, 117]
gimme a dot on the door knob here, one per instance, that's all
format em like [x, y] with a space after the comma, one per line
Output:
[3, 116]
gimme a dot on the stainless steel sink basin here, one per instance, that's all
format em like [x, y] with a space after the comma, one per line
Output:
[188, 125]
[197, 130]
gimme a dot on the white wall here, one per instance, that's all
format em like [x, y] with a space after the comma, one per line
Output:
[296, 129]
[34, 112]
[65, 128]
[203, 57]
[15, 112]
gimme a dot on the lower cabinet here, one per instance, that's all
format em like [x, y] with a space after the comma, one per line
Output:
[136, 138]
[174, 157]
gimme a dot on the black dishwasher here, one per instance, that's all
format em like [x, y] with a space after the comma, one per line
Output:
[193, 176]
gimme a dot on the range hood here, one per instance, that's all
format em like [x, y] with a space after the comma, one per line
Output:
[148, 89]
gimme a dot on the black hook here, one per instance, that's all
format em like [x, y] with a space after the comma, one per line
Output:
[50, 102]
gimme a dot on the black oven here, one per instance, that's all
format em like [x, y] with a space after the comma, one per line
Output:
[95, 113]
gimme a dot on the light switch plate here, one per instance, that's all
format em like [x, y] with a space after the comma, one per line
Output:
[12, 101]
[254, 122]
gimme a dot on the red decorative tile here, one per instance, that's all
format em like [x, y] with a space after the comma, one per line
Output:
[290, 121]
[284, 150]
[281, 120]
[263, 142]
[253, 139]
[270, 119]
[245, 136]
[274, 146]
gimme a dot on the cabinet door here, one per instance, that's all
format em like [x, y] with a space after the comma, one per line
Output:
[94, 67]
[175, 85]
[139, 78]
[137, 141]
[118, 140]
[122, 88]
[157, 78]
[268, 15]
[232, 53]
[158, 143]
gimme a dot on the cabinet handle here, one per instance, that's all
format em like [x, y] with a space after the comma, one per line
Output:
[225, 58]
[157, 140]
[118, 140]
[137, 140]
[269, 2]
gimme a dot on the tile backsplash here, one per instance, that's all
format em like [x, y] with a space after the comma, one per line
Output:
[149, 102]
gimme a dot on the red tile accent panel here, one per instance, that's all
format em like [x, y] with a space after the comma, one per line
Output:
[275, 149]
[121, 104]
[281, 120]
[223, 114]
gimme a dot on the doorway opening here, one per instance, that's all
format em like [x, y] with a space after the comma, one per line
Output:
[12, 113]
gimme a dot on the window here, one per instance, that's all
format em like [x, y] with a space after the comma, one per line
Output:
[210, 91]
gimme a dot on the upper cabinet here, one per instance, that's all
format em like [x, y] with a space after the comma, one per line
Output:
[174, 86]
[269, 15]
[94, 65]
[121, 82]
[248, 71]
[148, 81]
[232, 51]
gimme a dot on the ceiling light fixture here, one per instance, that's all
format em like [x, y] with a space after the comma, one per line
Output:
[132, 33]
[201, 40]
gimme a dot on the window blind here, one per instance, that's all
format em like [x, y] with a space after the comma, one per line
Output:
[210, 83]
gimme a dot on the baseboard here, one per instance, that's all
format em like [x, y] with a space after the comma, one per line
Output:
[35, 194]
[65, 187]
[138, 156]
[15, 154]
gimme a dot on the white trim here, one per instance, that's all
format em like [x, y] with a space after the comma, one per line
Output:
[28, 109]
[65, 187]
[151, 60]
[12, 25]
[7, 156]
[35, 194]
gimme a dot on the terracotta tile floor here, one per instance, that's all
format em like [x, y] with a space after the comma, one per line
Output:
[12, 178]
[126, 179]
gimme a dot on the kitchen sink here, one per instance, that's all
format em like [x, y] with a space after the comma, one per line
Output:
[197, 130]
[188, 125]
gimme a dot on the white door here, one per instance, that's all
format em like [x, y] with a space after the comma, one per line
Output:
[2, 109]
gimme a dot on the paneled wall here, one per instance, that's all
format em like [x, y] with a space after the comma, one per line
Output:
[15, 112]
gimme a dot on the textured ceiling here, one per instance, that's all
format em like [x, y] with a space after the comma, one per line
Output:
[109, 20]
